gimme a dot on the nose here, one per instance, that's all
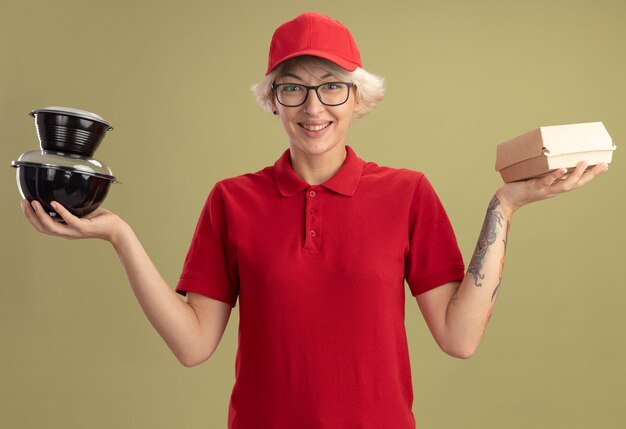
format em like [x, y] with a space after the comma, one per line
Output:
[312, 104]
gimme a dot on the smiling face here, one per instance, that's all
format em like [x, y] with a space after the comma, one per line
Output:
[314, 128]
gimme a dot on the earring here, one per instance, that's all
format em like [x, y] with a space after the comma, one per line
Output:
[275, 112]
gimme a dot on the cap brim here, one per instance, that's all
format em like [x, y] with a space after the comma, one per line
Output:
[341, 62]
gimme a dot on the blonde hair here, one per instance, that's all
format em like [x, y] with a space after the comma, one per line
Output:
[369, 88]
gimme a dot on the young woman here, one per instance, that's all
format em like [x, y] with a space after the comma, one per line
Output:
[316, 248]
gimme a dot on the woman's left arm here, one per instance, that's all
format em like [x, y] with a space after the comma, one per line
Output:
[457, 313]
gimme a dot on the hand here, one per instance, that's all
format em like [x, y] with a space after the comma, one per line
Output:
[101, 223]
[518, 194]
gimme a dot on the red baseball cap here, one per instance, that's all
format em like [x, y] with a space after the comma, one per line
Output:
[312, 33]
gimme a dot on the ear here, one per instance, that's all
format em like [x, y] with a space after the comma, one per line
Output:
[358, 106]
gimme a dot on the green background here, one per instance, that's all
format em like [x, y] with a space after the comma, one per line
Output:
[173, 78]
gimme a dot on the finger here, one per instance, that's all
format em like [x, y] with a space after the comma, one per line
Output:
[549, 179]
[592, 173]
[570, 183]
[31, 216]
[65, 214]
[40, 215]
[49, 225]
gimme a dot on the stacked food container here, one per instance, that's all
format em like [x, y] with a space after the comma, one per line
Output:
[63, 170]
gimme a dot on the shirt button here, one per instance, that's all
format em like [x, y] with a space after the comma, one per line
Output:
[312, 211]
[312, 193]
[313, 233]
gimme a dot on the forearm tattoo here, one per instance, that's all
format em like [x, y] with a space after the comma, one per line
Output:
[487, 237]
[506, 239]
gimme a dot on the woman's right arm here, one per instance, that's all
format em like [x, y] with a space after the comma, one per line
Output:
[192, 329]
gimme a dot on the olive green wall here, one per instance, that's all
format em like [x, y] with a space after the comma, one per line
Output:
[173, 79]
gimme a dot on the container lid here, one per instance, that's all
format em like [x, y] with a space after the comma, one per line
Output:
[70, 111]
[64, 161]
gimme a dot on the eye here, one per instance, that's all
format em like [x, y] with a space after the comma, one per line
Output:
[332, 86]
[289, 87]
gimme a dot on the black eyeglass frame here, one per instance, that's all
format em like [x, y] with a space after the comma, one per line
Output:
[308, 89]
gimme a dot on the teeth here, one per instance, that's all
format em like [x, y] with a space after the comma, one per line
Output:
[315, 127]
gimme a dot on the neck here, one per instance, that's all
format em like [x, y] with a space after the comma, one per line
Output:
[318, 168]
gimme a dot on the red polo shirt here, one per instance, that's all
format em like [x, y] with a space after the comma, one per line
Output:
[319, 272]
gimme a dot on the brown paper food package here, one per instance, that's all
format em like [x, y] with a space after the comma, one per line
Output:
[546, 149]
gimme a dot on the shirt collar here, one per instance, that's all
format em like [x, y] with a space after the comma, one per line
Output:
[344, 182]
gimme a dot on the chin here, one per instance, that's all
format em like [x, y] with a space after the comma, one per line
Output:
[317, 148]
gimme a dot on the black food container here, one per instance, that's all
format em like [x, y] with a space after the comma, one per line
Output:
[78, 183]
[69, 130]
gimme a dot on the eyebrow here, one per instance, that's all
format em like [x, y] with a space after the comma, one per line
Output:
[299, 78]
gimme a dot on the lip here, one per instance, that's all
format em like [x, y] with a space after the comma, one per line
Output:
[315, 133]
[313, 122]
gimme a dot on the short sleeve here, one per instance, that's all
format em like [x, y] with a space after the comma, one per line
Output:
[210, 267]
[434, 257]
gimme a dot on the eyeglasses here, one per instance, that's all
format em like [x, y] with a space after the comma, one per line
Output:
[329, 93]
